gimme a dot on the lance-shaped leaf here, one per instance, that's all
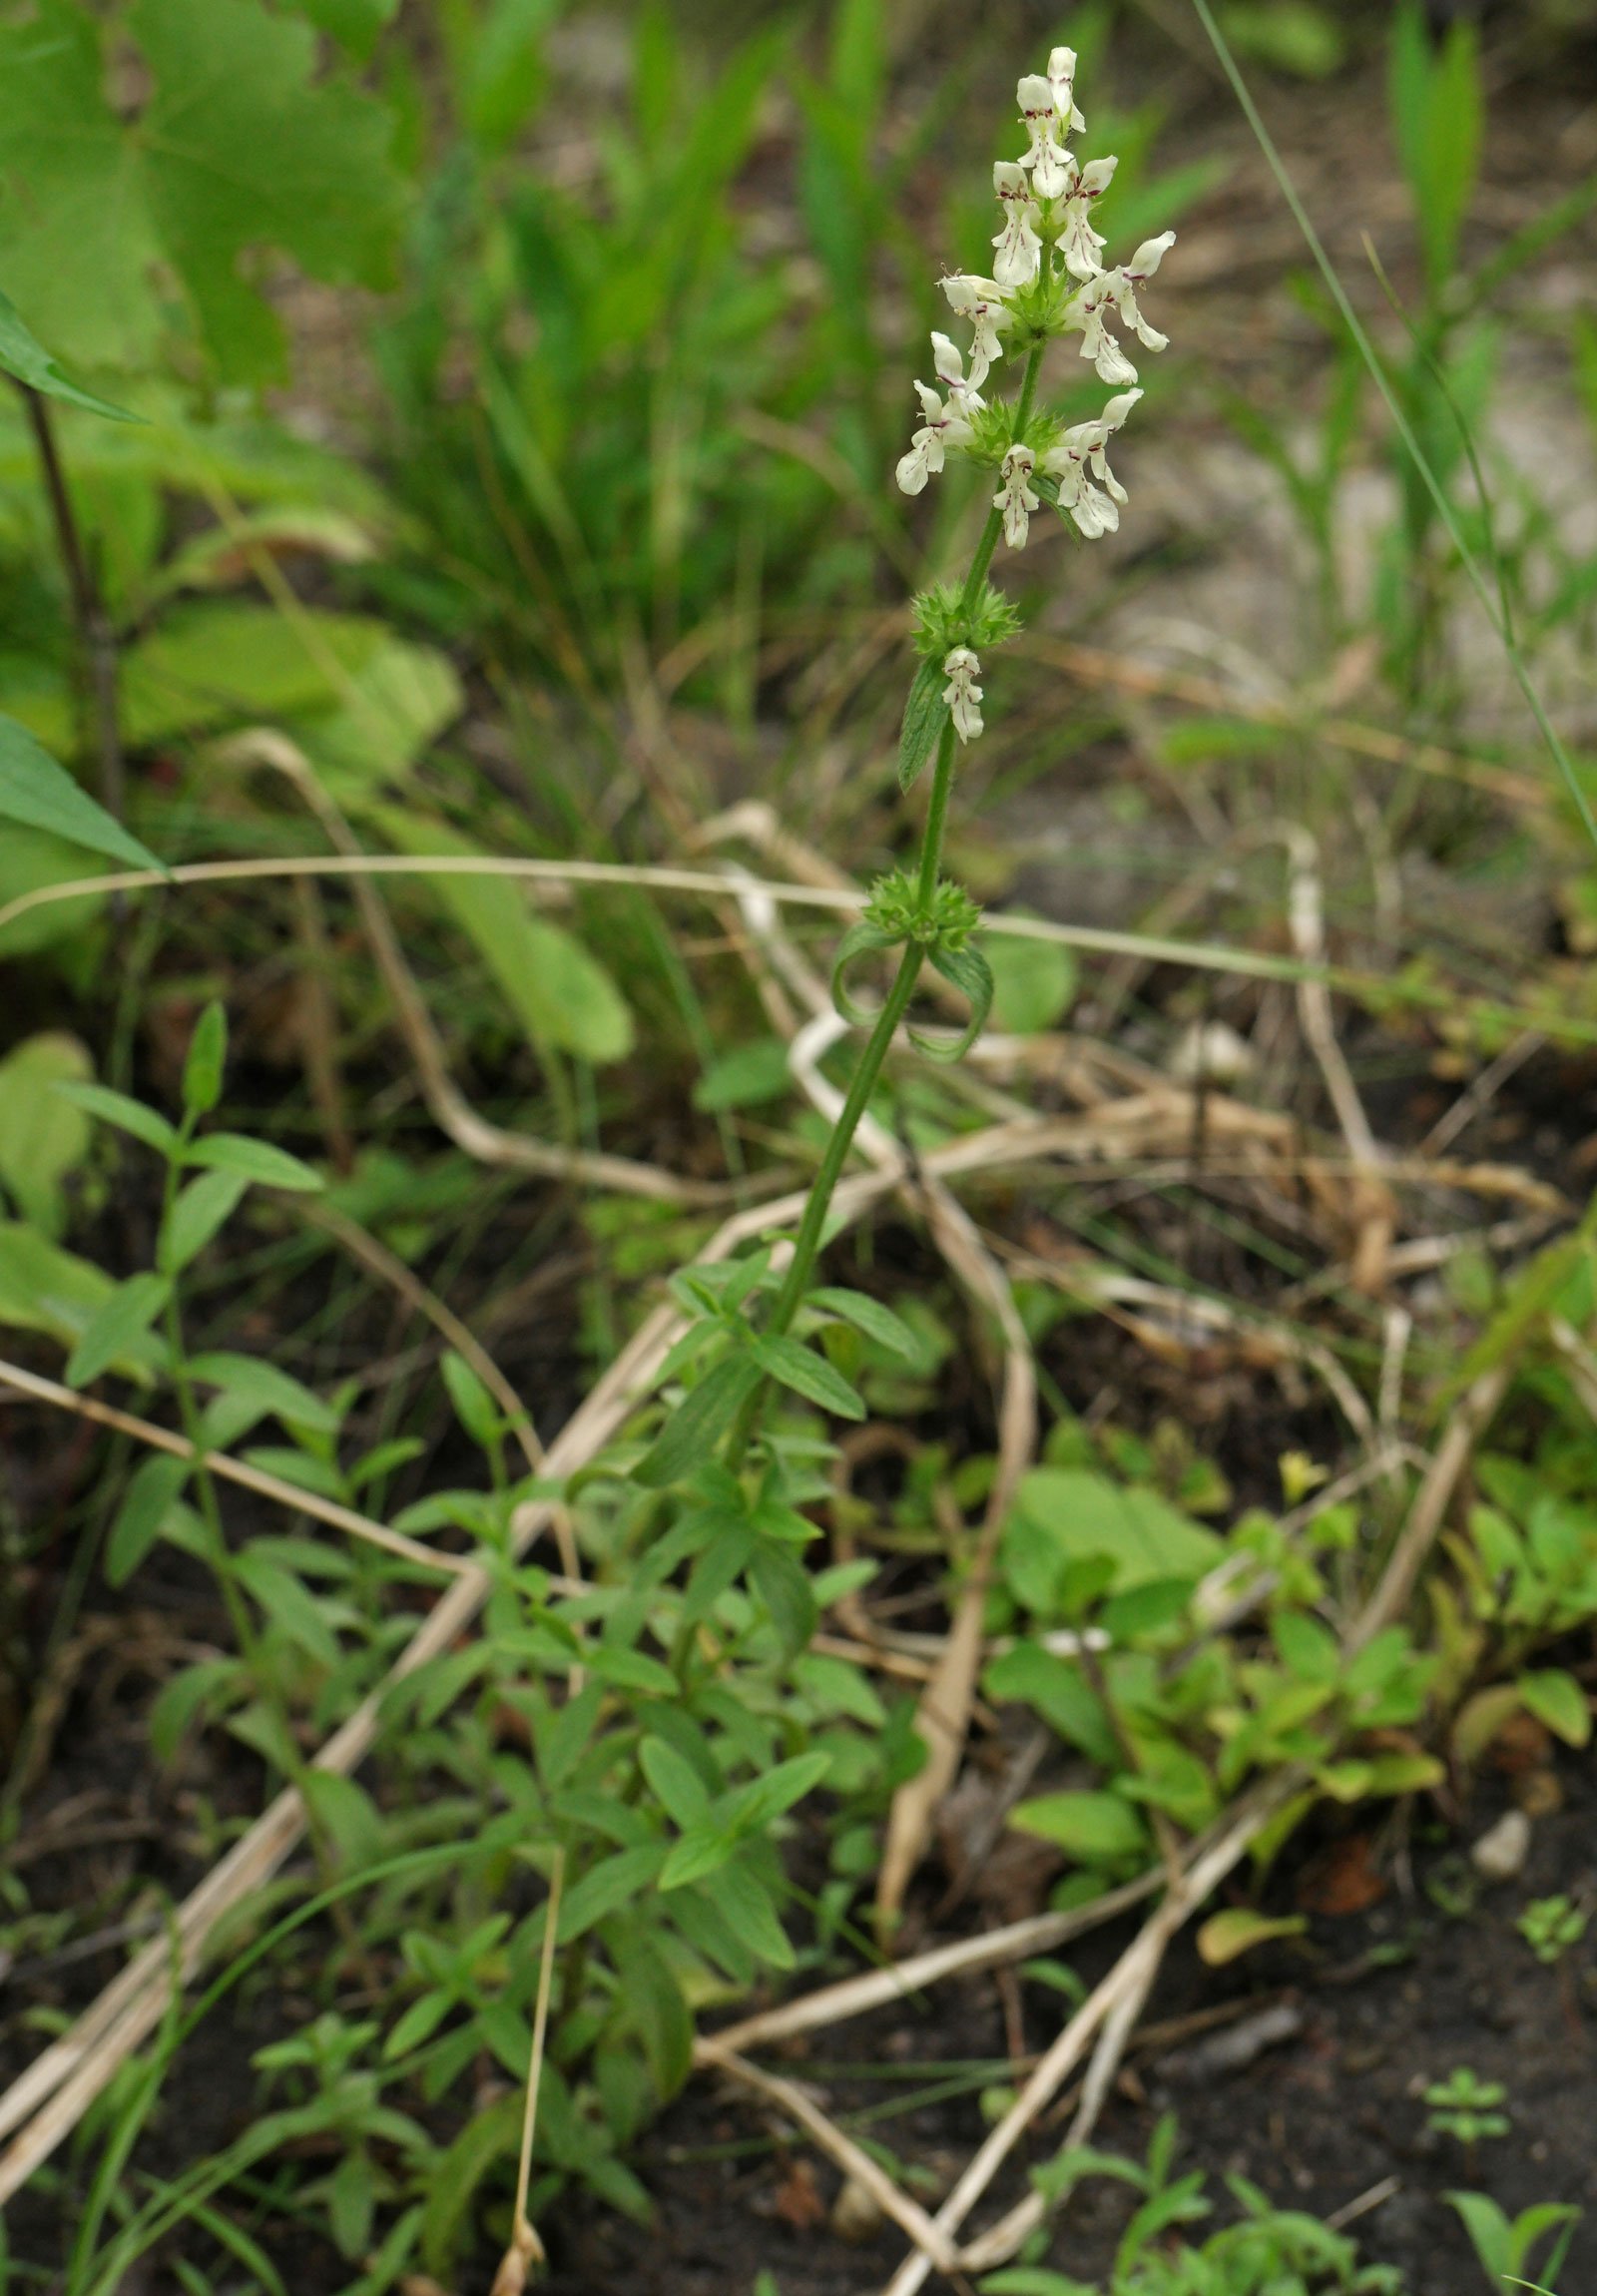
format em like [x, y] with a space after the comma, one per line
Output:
[42, 795]
[925, 715]
[26, 361]
[692, 1433]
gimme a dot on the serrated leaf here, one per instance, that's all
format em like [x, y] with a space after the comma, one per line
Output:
[42, 795]
[868, 1316]
[126, 1316]
[925, 715]
[808, 1374]
[256, 1160]
[242, 143]
[198, 1213]
[152, 1489]
[694, 1429]
[28, 361]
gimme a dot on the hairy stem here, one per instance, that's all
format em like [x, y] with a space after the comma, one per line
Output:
[807, 1244]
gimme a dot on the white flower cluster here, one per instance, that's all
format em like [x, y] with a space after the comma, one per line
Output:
[1047, 240]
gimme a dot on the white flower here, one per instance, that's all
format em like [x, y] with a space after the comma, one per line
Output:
[1062, 80]
[1081, 451]
[1019, 250]
[1047, 161]
[981, 302]
[1015, 498]
[1086, 315]
[947, 421]
[962, 693]
[964, 398]
[1079, 244]
[1137, 273]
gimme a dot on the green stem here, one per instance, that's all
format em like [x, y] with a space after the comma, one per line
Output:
[807, 1244]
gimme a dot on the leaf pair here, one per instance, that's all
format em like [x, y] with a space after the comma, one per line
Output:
[964, 968]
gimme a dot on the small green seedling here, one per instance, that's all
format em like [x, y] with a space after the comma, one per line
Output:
[1465, 2107]
[1550, 1926]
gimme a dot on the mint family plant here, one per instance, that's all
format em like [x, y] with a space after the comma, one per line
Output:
[1048, 282]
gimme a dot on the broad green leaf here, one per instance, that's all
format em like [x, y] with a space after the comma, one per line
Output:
[868, 1316]
[1034, 982]
[45, 1289]
[756, 1805]
[563, 996]
[808, 1374]
[391, 708]
[42, 795]
[1227, 1936]
[704, 1849]
[691, 1433]
[211, 663]
[1065, 1515]
[32, 861]
[1558, 1700]
[355, 25]
[256, 1160]
[28, 361]
[238, 142]
[925, 715]
[124, 1318]
[207, 1059]
[1097, 1829]
[128, 1115]
[609, 1886]
[198, 1213]
[42, 1136]
[152, 1489]
[1054, 1686]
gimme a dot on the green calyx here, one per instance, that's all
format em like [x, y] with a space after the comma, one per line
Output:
[944, 619]
[894, 910]
[941, 929]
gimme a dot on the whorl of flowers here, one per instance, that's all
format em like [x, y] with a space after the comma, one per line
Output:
[1048, 278]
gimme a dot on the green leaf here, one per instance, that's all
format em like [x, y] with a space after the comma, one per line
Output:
[129, 1312]
[238, 142]
[1097, 1829]
[785, 1588]
[1227, 1936]
[287, 1604]
[925, 715]
[42, 1136]
[867, 1315]
[704, 1849]
[694, 1429]
[1558, 1700]
[250, 1382]
[128, 1115]
[1439, 113]
[749, 1912]
[153, 1487]
[196, 1216]
[256, 1160]
[355, 25]
[474, 1407]
[808, 1374]
[1065, 1515]
[673, 1782]
[29, 363]
[1034, 982]
[971, 974]
[564, 997]
[207, 1059]
[609, 1886]
[42, 795]
[862, 939]
[45, 1289]
[746, 1077]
